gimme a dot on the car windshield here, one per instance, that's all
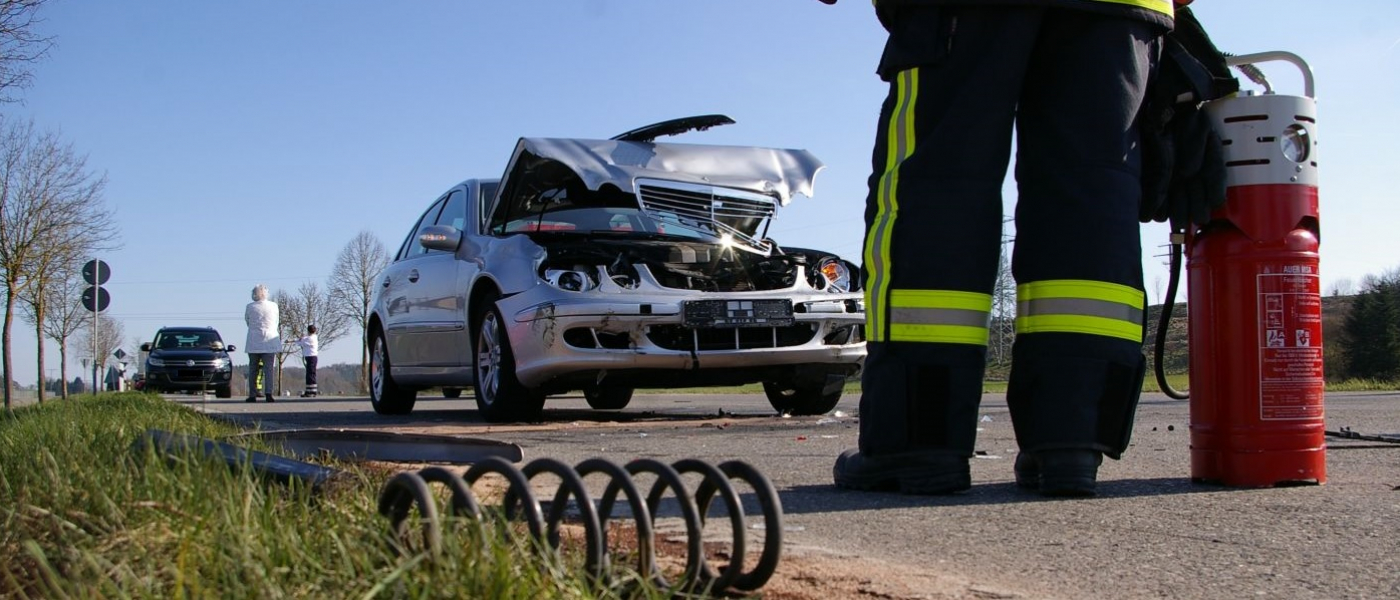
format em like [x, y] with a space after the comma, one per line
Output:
[186, 340]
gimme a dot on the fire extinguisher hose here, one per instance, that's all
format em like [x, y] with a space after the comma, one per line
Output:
[1165, 318]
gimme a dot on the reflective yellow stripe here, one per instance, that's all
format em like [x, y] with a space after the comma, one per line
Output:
[945, 316]
[1162, 6]
[1080, 306]
[899, 144]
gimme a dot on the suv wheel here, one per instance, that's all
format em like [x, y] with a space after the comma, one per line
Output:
[386, 396]
[608, 397]
[451, 392]
[223, 391]
[804, 398]
[499, 395]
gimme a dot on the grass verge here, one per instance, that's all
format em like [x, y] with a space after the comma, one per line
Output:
[86, 516]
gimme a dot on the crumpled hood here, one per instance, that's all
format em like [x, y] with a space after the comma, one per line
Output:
[766, 170]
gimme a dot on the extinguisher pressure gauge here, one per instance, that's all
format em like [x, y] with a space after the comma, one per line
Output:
[1295, 143]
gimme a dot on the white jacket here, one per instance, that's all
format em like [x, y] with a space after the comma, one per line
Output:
[309, 344]
[263, 322]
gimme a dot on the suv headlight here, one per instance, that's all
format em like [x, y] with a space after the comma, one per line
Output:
[155, 362]
[570, 280]
[220, 363]
[837, 276]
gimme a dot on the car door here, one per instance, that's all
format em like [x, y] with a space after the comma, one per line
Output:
[406, 318]
[439, 295]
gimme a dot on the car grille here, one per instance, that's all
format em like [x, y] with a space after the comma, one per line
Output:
[721, 207]
[678, 337]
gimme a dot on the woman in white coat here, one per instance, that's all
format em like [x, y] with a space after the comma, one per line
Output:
[264, 341]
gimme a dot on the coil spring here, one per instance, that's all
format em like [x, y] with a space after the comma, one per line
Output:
[410, 488]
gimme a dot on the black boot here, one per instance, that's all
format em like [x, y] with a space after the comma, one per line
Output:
[251, 399]
[269, 398]
[1067, 473]
[924, 473]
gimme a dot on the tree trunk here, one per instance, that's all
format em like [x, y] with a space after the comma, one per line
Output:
[39, 335]
[63, 369]
[6, 359]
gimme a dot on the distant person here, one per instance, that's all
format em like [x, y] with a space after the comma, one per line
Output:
[309, 346]
[264, 342]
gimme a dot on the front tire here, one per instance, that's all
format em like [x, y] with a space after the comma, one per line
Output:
[451, 392]
[608, 397]
[804, 398]
[223, 391]
[499, 395]
[385, 396]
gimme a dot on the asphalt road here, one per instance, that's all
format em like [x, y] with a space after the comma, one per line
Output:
[1150, 533]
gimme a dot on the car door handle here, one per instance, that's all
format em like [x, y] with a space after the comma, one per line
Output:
[413, 276]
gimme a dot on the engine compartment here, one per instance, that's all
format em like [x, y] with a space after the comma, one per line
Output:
[679, 265]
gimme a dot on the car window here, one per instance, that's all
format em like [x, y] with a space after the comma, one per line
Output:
[454, 214]
[483, 202]
[411, 247]
[185, 340]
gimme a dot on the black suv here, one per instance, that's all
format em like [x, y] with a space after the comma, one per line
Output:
[188, 359]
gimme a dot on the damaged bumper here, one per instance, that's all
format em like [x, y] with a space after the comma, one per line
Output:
[563, 334]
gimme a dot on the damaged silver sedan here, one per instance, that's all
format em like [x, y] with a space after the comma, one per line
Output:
[604, 266]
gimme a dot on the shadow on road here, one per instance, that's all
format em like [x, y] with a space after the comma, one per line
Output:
[829, 498]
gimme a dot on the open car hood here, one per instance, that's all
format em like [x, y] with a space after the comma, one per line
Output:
[770, 171]
[735, 189]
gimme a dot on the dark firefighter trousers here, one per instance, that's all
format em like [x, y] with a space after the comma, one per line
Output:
[1070, 83]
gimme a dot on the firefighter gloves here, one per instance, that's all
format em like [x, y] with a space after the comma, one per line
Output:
[1183, 160]
[1183, 169]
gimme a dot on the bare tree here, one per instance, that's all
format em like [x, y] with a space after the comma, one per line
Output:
[352, 286]
[101, 347]
[20, 46]
[310, 306]
[50, 207]
[53, 306]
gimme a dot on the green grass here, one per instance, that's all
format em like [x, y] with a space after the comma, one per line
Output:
[86, 516]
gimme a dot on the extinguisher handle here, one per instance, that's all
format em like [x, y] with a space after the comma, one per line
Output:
[1277, 55]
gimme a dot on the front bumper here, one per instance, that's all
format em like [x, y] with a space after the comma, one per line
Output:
[186, 379]
[556, 334]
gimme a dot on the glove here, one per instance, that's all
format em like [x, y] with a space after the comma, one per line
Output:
[1198, 177]
[1183, 160]
[1183, 169]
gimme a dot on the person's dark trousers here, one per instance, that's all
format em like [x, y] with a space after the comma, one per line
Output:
[311, 389]
[1070, 84]
[260, 363]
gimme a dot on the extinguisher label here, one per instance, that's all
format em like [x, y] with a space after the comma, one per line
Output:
[1290, 343]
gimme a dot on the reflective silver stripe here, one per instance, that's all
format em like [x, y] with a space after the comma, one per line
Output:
[1079, 307]
[940, 316]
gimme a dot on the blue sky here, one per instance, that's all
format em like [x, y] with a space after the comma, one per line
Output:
[249, 142]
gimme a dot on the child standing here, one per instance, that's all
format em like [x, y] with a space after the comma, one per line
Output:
[309, 347]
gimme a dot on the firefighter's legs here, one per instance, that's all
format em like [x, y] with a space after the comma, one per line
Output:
[1077, 363]
[933, 238]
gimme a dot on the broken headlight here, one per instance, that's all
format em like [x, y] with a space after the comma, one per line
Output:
[570, 280]
[836, 274]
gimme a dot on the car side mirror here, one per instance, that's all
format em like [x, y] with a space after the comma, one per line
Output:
[441, 237]
[145, 346]
[232, 347]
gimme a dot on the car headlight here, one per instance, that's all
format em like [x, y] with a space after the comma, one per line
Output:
[569, 280]
[155, 362]
[220, 363]
[837, 275]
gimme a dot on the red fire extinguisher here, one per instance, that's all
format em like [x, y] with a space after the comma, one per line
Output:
[1256, 393]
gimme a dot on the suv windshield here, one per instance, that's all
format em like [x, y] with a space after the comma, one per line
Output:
[187, 340]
